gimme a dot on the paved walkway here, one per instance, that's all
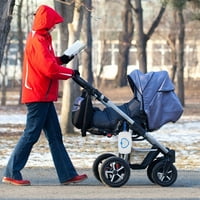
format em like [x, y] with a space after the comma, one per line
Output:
[45, 185]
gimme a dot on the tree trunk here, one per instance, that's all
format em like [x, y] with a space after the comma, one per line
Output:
[3, 89]
[140, 36]
[99, 79]
[171, 41]
[6, 9]
[87, 54]
[70, 89]
[66, 11]
[125, 39]
[20, 39]
[5, 73]
[180, 56]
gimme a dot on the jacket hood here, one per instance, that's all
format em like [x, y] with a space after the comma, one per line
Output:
[46, 18]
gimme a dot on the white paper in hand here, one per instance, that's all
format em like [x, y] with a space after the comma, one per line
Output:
[75, 48]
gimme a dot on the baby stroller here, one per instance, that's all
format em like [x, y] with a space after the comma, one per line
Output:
[153, 105]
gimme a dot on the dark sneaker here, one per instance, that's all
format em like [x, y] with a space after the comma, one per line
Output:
[16, 182]
[76, 179]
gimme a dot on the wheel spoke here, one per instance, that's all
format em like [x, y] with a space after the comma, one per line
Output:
[169, 178]
[120, 176]
[108, 173]
[164, 175]
[160, 176]
[113, 165]
[169, 172]
[115, 172]
[121, 168]
[113, 177]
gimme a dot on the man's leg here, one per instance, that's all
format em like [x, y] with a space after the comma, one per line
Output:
[35, 119]
[63, 164]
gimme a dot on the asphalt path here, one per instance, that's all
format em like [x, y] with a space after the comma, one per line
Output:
[45, 185]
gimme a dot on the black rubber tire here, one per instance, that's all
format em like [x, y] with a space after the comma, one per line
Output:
[150, 168]
[164, 178]
[98, 162]
[114, 172]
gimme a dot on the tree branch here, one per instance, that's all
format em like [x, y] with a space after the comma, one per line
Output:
[73, 1]
[66, 3]
[132, 7]
[155, 22]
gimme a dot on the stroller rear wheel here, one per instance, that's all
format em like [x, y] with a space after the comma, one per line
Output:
[98, 162]
[164, 173]
[115, 172]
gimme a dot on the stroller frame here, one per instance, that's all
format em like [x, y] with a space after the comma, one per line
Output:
[114, 170]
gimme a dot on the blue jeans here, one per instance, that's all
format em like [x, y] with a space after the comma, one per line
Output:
[41, 116]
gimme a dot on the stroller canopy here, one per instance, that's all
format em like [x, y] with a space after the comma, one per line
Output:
[155, 91]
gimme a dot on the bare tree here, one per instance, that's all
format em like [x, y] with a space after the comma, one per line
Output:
[6, 10]
[176, 41]
[125, 38]
[171, 41]
[87, 55]
[20, 35]
[66, 9]
[3, 86]
[72, 11]
[99, 80]
[4, 73]
[141, 37]
[180, 56]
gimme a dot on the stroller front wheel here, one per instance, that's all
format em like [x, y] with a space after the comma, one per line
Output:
[98, 162]
[164, 173]
[150, 168]
[115, 172]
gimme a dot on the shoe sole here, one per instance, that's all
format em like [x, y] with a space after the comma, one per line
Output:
[17, 184]
[72, 182]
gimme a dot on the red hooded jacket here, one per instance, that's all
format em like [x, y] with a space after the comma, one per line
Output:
[41, 68]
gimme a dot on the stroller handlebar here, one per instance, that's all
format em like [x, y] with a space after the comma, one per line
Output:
[80, 81]
[89, 88]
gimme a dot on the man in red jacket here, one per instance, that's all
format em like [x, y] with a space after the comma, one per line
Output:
[41, 72]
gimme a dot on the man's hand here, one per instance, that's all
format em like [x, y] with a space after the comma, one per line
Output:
[76, 73]
[65, 59]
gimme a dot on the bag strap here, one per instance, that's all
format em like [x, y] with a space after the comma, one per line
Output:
[83, 129]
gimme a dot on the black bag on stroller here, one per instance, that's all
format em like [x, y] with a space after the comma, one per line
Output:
[82, 112]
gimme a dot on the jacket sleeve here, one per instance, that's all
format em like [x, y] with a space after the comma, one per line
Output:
[43, 58]
[58, 60]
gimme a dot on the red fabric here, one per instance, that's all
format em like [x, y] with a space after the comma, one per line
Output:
[46, 18]
[41, 68]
